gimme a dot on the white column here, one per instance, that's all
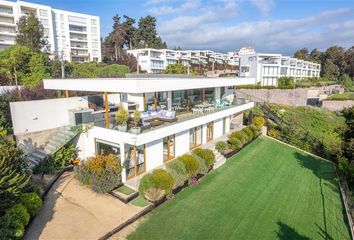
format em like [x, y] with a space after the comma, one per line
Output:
[122, 160]
[227, 124]
[169, 100]
[204, 134]
[217, 93]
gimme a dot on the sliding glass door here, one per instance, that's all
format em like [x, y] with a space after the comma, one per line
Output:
[134, 160]
[195, 137]
[168, 148]
[210, 131]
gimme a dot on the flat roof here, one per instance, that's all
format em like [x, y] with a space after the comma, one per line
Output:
[142, 85]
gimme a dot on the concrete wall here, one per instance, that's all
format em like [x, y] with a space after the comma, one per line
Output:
[285, 96]
[40, 115]
[333, 105]
[278, 96]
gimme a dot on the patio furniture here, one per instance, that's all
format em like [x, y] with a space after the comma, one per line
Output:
[226, 102]
[163, 115]
[197, 110]
[155, 122]
[219, 104]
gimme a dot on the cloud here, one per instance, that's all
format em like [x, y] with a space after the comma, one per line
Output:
[185, 7]
[264, 6]
[207, 31]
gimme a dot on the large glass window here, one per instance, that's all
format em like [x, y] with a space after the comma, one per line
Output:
[134, 160]
[195, 137]
[168, 148]
[179, 101]
[106, 148]
[149, 101]
[161, 100]
[209, 95]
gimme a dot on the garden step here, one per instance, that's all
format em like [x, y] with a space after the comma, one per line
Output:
[38, 154]
[33, 160]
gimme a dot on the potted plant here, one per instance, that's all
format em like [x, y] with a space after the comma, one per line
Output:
[122, 117]
[136, 119]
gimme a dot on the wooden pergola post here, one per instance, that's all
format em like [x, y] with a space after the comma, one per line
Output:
[66, 93]
[106, 108]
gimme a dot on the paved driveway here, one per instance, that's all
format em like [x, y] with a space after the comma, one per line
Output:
[72, 211]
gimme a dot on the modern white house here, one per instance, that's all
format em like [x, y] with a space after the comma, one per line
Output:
[156, 60]
[177, 115]
[267, 68]
[73, 36]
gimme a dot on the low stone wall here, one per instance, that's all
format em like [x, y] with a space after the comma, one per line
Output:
[336, 105]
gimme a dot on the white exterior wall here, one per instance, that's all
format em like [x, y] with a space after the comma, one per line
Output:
[204, 133]
[40, 115]
[56, 26]
[218, 125]
[182, 142]
[266, 68]
[154, 154]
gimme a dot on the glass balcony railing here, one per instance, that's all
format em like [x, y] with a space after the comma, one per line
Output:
[181, 114]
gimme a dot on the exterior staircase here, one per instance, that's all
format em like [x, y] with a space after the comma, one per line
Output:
[58, 140]
[219, 159]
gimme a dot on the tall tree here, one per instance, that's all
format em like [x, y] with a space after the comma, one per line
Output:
[316, 55]
[30, 33]
[349, 56]
[302, 54]
[146, 34]
[129, 31]
[118, 36]
[329, 69]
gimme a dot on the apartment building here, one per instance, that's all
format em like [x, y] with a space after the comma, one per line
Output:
[73, 36]
[267, 68]
[156, 60]
[176, 116]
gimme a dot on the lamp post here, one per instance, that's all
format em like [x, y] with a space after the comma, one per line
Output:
[63, 69]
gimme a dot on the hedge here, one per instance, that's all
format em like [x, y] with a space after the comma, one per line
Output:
[32, 202]
[239, 135]
[190, 163]
[207, 155]
[249, 134]
[178, 171]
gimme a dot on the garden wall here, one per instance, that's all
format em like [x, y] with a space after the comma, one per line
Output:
[337, 105]
[285, 96]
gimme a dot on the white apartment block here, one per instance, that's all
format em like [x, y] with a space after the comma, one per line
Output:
[74, 36]
[156, 60]
[267, 68]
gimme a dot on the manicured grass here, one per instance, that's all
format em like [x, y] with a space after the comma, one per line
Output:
[266, 191]
[125, 190]
[342, 96]
[140, 202]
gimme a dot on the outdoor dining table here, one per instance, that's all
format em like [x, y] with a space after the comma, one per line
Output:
[204, 106]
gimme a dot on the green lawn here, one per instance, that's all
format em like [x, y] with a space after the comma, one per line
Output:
[342, 96]
[266, 191]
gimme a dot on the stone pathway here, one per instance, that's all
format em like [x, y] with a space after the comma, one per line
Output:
[72, 211]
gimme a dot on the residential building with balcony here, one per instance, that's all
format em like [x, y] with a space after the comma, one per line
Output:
[267, 68]
[156, 60]
[177, 115]
[73, 36]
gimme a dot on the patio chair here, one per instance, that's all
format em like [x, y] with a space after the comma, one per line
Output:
[219, 104]
[226, 102]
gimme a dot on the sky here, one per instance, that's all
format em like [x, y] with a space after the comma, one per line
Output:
[270, 26]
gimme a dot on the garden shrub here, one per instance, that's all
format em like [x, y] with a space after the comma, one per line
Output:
[203, 168]
[46, 166]
[258, 122]
[178, 172]
[235, 143]
[239, 135]
[245, 136]
[221, 146]
[64, 156]
[32, 202]
[254, 129]
[18, 212]
[191, 164]
[207, 155]
[154, 194]
[145, 183]
[273, 133]
[101, 173]
[11, 227]
[161, 179]
[249, 133]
